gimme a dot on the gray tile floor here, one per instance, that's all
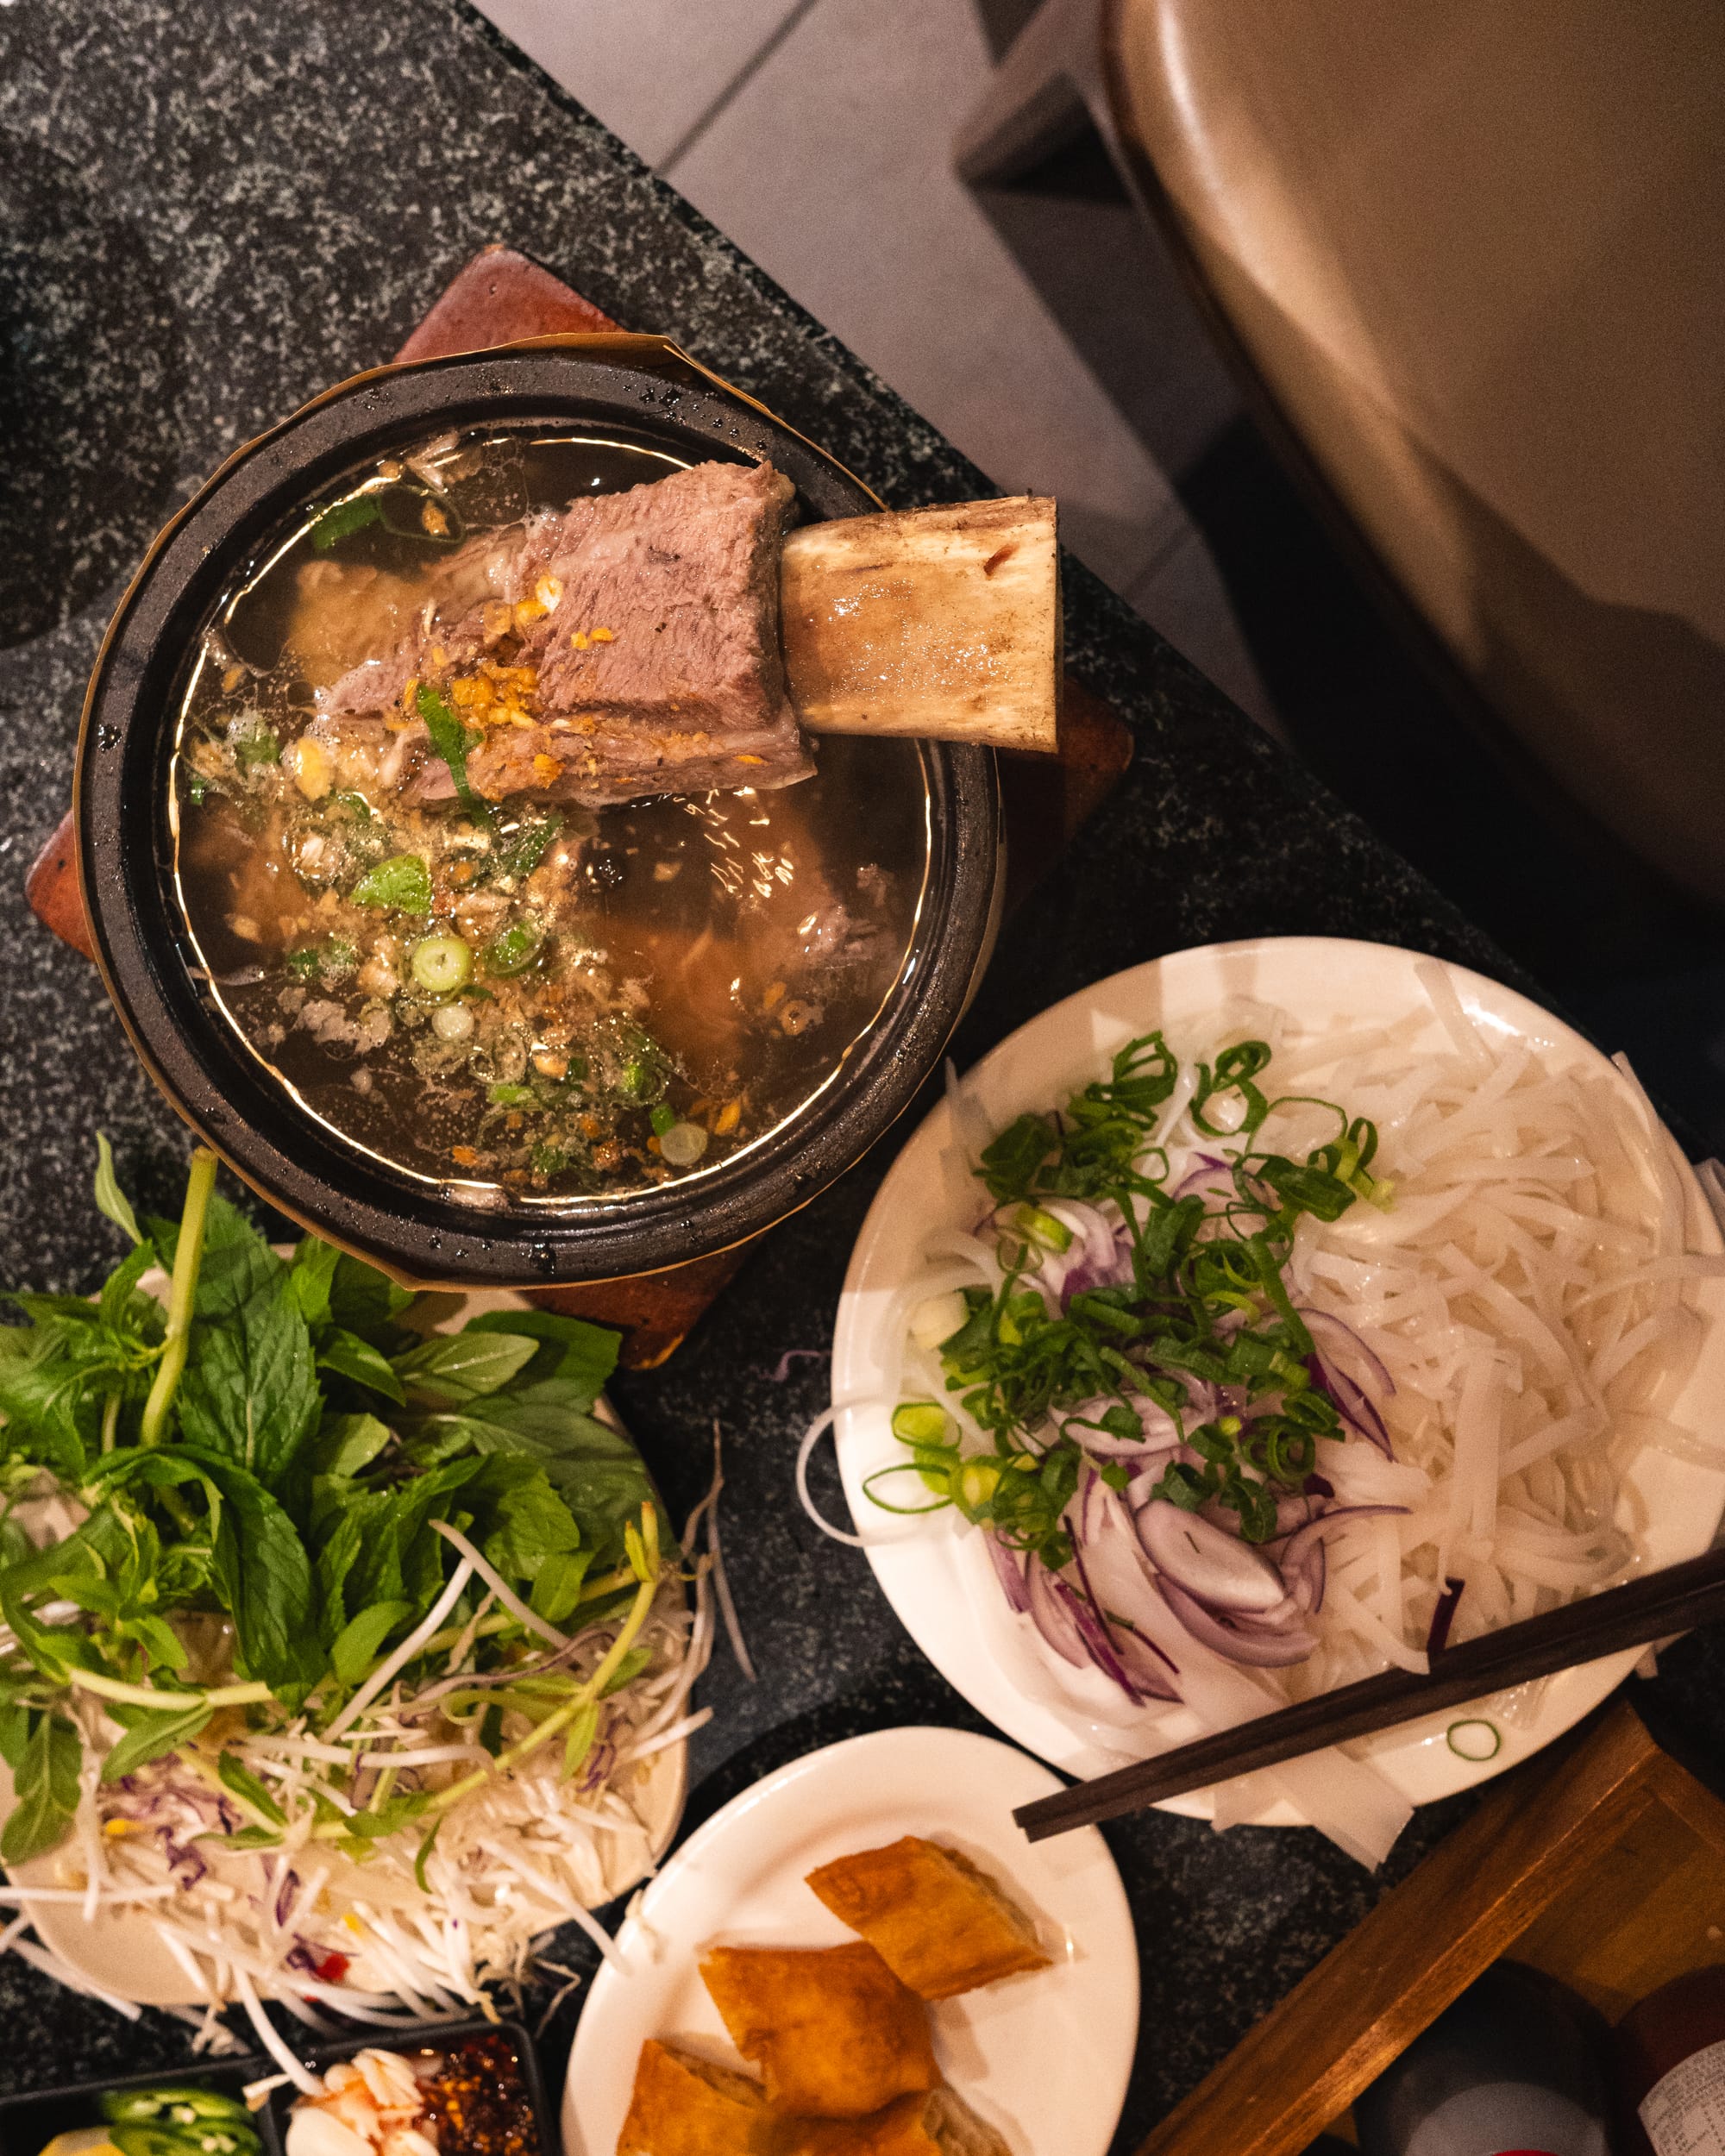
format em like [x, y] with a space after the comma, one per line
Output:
[816, 133]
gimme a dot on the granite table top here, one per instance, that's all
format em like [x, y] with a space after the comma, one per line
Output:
[207, 214]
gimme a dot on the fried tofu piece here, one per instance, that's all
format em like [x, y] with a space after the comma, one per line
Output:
[937, 2124]
[835, 2034]
[940, 1925]
[684, 2105]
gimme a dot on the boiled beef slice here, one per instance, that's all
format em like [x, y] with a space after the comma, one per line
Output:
[645, 625]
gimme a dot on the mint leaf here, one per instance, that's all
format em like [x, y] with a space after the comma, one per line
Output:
[451, 1370]
[124, 1307]
[110, 1198]
[263, 1577]
[250, 1389]
[46, 1782]
[310, 1276]
[350, 1357]
[366, 1301]
[401, 884]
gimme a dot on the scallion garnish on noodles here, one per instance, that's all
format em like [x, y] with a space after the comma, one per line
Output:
[1205, 1310]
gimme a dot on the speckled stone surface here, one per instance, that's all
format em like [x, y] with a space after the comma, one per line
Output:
[209, 212]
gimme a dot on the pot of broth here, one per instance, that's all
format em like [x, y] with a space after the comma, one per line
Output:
[430, 974]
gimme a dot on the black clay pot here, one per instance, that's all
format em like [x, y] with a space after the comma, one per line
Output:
[641, 391]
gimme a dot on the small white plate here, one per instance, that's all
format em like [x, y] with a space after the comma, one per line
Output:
[940, 1580]
[122, 1949]
[1044, 2057]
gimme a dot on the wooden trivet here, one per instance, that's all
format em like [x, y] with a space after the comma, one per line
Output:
[499, 297]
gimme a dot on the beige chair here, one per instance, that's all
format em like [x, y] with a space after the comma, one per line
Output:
[1471, 253]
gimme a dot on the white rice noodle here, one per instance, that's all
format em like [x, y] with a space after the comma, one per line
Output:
[1531, 1292]
[1434, 977]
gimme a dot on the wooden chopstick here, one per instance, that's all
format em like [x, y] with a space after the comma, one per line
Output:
[1656, 1606]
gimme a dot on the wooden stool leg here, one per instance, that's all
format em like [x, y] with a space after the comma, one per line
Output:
[1039, 96]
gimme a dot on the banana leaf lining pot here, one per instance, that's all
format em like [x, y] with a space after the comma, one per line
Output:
[640, 390]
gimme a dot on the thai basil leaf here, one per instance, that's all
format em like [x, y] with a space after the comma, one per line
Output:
[594, 1469]
[250, 1791]
[453, 1370]
[350, 1357]
[124, 1309]
[149, 1734]
[583, 1355]
[558, 1583]
[365, 1301]
[110, 1198]
[357, 1644]
[347, 1444]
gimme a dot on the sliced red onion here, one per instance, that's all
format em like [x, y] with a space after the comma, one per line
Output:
[1149, 1473]
[1114, 1576]
[1224, 1572]
[1144, 1663]
[1444, 1616]
[1260, 1646]
[1009, 1569]
[1052, 1618]
[1349, 1402]
[1118, 1647]
[1203, 1172]
[1341, 1340]
[1090, 1228]
[1083, 1509]
[1319, 1486]
[1094, 1632]
[1308, 1588]
[1291, 1556]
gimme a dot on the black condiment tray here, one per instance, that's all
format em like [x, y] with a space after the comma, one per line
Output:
[422, 2036]
[29, 2123]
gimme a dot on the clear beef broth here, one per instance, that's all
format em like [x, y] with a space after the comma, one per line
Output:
[573, 1001]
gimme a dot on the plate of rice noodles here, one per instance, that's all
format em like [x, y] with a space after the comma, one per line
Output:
[347, 1652]
[1264, 1317]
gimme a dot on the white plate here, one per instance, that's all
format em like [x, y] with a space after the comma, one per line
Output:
[940, 1580]
[123, 1950]
[1043, 2056]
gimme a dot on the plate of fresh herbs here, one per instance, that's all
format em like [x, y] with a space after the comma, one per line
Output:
[346, 1652]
